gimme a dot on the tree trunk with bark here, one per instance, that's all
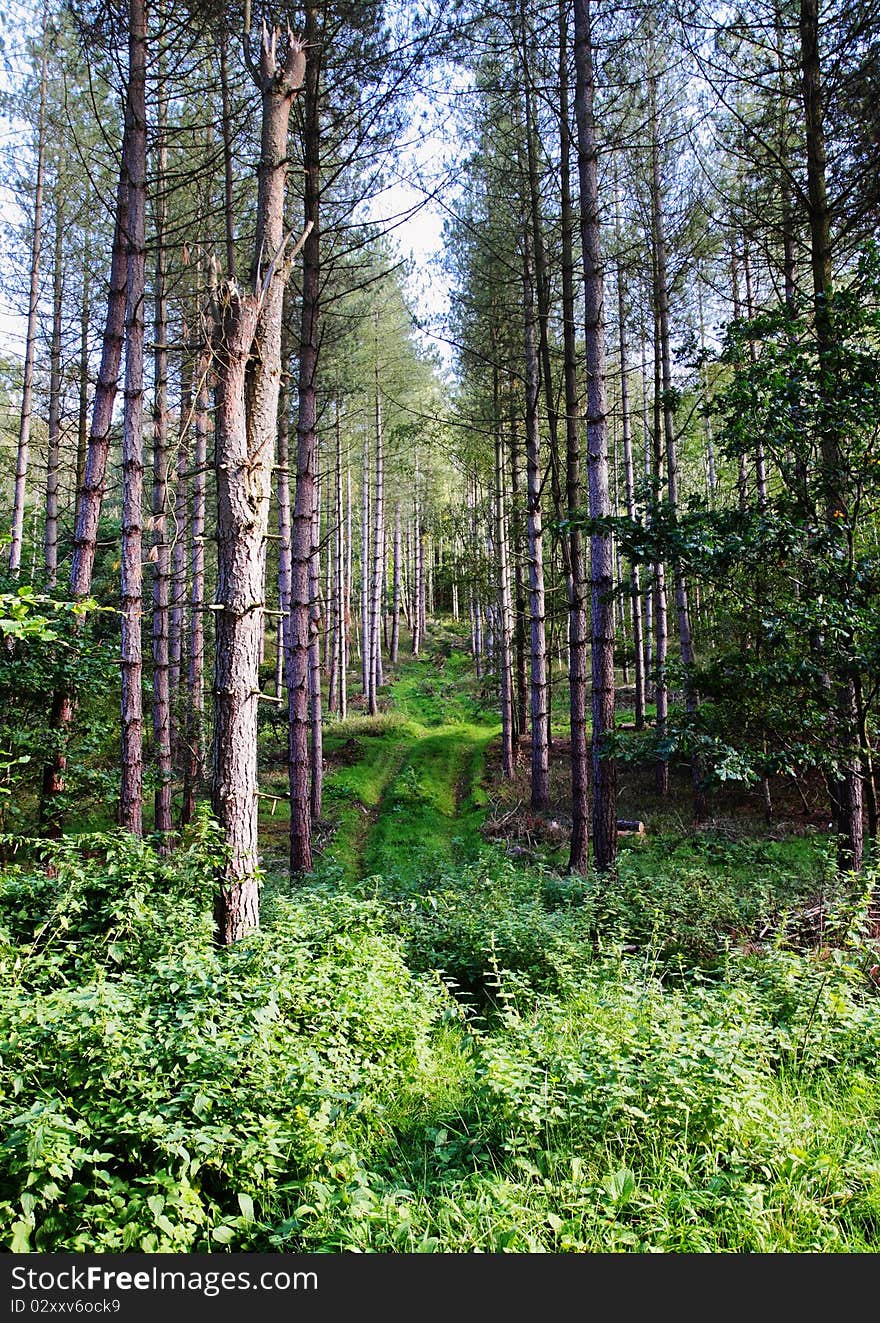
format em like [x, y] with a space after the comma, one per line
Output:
[661, 294]
[396, 590]
[377, 586]
[247, 346]
[366, 619]
[53, 455]
[635, 586]
[316, 750]
[504, 610]
[601, 556]
[578, 858]
[306, 460]
[160, 553]
[131, 576]
[846, 785]
[194, 766]
[24, 430]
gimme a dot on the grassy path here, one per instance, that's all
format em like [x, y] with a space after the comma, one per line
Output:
[432, 808]
[405, 794]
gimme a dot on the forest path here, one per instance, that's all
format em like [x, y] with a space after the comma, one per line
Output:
[408, 800]
[432, 808]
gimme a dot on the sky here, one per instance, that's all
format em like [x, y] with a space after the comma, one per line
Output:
[411, 208]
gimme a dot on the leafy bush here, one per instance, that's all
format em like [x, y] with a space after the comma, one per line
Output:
[161, 1094]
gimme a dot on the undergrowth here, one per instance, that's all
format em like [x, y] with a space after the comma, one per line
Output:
[431, 1046]
[320, 1087]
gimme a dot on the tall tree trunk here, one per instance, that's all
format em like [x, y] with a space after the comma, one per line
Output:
[416, 580]
[285, 563]
[539, 725]
[846, 785]
[85, 538]
[248, 358]
[161, 552]
[505, 660]
[316, 753]
[378, 566]
[519, 584]
[629, 482]
[578, 858]
[421, 593]
[91, 492]
[742, 477]
[226, 110]
[661, 617]
[711, 473]
[366, 636]
[306, 460]
[194, 768]
[340, 581]
[601, 559]
[396, 590]
[685, 634]
[82, 430]
[53, 458]
[335, 573]
[648, 471]
[760, 458]
[24, 430]
[131, 790]
[179, 558]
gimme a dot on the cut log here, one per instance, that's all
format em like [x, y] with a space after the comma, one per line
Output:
[630, 827]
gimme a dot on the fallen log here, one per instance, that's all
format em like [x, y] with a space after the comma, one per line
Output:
[630, 827]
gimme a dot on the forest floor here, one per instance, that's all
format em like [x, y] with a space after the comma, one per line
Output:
[440, 1041]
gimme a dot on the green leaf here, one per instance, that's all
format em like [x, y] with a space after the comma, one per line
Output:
[621, 1185]
[223, 1234]
[21, 1238]
[246, 1204]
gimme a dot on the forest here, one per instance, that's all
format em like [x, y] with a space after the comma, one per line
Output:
[439, 632]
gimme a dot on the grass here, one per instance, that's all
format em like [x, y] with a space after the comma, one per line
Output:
[433, 1046]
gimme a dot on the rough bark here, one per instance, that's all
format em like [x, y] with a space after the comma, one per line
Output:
[538, 710]
[24, 430]
[247, 346]
[227, 130]
[578, 857]
[661, 293]
[53, 455]
[316, 755]
[846, 786]
[91, 490]
[85, 538]
[629, 484]
[504, 609]
[82, 428]
[179, 555]
[194, 766]
[377, 587]
[604, 804]
[161, 550]
[366, 636]
[396, 590]
[131, 575]
[519, 583]
[661, 619]
[285, 563]
[306, 456]
[417, 583]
